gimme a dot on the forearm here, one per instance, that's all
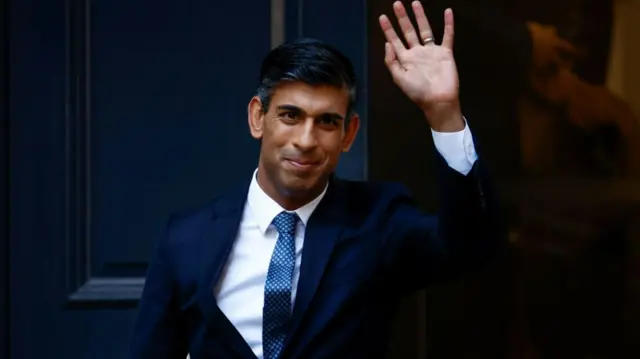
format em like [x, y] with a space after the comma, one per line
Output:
[466, 233]
[469, 225]
[465, 194]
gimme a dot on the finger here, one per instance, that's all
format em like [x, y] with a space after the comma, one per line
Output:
[391, 36]
[422, 21]
[391, 60]
[447, 39]
[405, 25]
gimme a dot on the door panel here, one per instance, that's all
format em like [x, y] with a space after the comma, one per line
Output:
[122, 112]
[168, 113]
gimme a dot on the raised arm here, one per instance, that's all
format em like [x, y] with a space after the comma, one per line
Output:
[467, 230]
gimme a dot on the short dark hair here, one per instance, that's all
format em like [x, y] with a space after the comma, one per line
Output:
[310, 61]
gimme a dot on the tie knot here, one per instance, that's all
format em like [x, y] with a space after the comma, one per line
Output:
[286, 222]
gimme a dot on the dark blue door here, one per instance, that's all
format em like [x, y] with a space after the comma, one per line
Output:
[120, 113]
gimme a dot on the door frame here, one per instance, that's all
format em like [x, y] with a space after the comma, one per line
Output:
[5, 340]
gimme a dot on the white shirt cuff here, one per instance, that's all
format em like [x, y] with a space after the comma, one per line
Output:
[457, 148]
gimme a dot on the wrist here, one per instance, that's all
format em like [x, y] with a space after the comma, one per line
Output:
[445, 118]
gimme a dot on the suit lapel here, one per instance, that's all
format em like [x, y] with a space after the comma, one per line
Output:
[321, 234]
[217, 241]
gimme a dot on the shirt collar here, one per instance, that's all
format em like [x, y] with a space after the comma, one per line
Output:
[265, 209]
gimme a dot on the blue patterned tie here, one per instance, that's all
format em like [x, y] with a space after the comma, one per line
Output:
[277, 290]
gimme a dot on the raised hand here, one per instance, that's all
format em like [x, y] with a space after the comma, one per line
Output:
[425, 71]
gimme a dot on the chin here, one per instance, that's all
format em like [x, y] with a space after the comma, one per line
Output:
[297, 186]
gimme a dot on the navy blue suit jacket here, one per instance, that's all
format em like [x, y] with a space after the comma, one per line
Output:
[365, 245]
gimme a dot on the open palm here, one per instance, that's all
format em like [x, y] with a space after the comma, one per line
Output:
[426, 72]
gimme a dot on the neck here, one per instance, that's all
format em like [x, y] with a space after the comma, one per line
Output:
[287, 199]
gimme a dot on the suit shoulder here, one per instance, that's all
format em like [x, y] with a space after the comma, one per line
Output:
[186, 224]
[375, 192]
[228, 202]
[190, 216]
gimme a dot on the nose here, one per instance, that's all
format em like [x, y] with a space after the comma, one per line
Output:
[305, 138]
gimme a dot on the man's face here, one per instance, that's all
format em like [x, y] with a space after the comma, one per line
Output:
[303, 134]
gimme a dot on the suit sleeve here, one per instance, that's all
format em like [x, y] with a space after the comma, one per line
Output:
[466, 234]
[160, 331]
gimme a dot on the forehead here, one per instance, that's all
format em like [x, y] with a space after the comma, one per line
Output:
[311, 99]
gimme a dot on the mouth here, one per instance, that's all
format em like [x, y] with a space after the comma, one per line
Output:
[302, 165]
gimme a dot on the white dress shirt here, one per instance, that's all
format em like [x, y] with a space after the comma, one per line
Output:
[240, 291]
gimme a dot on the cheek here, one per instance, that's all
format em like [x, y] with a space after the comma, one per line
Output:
[332, 146]
[275, 136]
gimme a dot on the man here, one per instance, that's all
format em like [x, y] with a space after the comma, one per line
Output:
[298, 263]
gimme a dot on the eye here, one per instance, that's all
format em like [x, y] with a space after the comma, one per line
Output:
[329, 121]
[288, 116]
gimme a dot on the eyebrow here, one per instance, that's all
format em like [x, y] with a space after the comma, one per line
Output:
[292, 108]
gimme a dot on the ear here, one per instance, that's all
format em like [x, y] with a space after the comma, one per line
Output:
[350, 132]
[256, 118]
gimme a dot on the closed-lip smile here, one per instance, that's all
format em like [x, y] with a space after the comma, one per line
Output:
[302, 164]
